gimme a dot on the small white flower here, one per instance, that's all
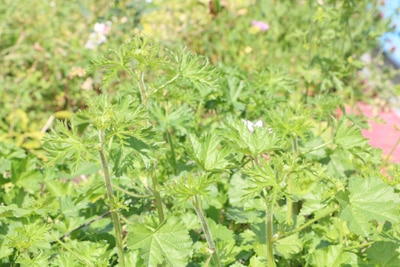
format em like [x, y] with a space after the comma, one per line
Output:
[102, 28]
[99, 35]
[250, 125]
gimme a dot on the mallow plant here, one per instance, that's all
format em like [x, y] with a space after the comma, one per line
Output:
[179, 163]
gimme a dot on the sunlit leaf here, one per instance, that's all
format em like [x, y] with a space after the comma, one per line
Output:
[169, 243]
[383, 253]
[208, 153]
[349, 136]
[333, 256]
[368, 199]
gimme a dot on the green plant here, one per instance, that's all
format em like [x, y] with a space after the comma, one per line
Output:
[296, 180]
[181, 163]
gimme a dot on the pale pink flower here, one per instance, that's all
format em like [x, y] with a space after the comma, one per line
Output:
[262, 26]
[102, 28]
[99, 35]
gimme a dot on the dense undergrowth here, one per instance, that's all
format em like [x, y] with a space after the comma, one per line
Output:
[207, 140]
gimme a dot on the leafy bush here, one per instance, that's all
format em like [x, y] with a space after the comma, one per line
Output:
[177, 162]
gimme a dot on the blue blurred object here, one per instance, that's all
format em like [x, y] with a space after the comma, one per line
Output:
[395, 23]
[388, 8]
[390, 45]
[390, 41]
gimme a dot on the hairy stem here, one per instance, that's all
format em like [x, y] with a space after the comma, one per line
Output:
[289, 201]
[207, 232]
[110, 197]
[269, 226]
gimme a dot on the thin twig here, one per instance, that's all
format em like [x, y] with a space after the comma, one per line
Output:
[48, 124]
[82, 226]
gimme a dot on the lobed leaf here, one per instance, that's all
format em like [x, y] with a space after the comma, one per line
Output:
[208, 153]
[169, 243]
[349, 136]
[262, 140]
[368, 199]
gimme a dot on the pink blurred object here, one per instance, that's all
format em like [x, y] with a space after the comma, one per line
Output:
[384, 130]
[99, 35]
[260, 25]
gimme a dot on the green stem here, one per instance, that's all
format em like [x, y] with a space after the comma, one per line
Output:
[143, 92]
[144, 97]
[363, 245]
[310, 222]
[289, 200]
[157, 198]
[207, 232]
[169, 82]
[391, 152]
[173, 156]
[76, 255]
[317, 147]
[110, 197]
[130, 193]
[269, 225]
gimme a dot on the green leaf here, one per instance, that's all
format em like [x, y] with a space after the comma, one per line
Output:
[340, 163]
[263, 175]
[384, 254]
[368, 199]
[13, 211]
[38, 260]
[333, 256]
[349, 136]
[24, 173]
[187, 185]
[169, 243]
[196, 71]
[133, 58]
[29, 237]
[5, 251]
[290, 120]
[207, 153]
[225, 242]
[64, 145]
[254, 143]
[288, 246]
[179, 118]
[86, 253]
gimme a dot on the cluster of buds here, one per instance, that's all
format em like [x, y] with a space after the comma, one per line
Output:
[99, 35]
